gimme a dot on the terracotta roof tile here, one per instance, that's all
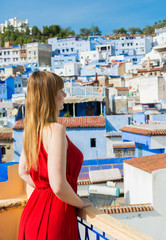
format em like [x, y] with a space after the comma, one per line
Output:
[126, 208]
[73, 122]
[19, 125]
[88, 182]
[124, 146]
[148, 163]
[122, 88]
[144, 131]
[83, 122]
[149, 70]
[6, 136]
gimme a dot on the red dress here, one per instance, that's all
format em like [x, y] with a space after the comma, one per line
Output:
[45, 216]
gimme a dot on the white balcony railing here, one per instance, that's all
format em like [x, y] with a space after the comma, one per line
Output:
[84, 91]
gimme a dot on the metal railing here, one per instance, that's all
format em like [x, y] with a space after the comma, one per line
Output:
[92, 220]
[84, 91]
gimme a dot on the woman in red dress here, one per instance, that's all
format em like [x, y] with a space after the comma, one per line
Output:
[50, 163]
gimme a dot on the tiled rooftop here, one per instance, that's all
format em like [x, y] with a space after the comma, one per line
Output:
[6, 136]
[122, 88]
[88, 182]
[124, 146]
[83, 122]
[148, 163]
[126, 208]
[113, 134]
[73, 122]
[147, 129]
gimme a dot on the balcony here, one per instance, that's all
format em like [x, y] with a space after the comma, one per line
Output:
[95, 225]
[89, 91]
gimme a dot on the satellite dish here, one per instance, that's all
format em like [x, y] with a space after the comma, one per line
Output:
[15, 111]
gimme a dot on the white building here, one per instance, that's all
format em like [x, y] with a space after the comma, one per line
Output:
[155, 58]
[160, 37]
[89, 56]
[152, 89]
[69, 70]
[16, 23]
[133, 45]
[27, 53]
[144, 183]
[70, 45]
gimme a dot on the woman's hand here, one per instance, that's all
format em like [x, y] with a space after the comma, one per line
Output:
[86, 203]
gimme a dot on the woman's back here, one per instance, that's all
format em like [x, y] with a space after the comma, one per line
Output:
[45, 216]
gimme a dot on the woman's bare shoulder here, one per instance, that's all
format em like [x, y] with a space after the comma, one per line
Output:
[54, 128]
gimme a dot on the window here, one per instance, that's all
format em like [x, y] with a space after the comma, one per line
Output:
[118, 153]
[139, 150]
[131, 152]
[3, 151]
[93, 142]
[123, 44]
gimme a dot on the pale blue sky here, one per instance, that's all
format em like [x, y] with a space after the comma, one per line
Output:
[106, 14]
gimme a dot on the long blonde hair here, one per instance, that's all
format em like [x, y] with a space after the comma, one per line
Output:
[40, 109]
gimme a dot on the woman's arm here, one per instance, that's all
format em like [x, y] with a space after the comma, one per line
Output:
[57, 161]
[24, 174]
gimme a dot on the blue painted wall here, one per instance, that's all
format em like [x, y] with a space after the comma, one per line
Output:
[10, 87]
[115, 122]
[81, 138]
[143, 142]
[4, 171]
[146, 151]
[139, 117]
[18, 145]
[106, 163]
[3, 91]
[161, 118]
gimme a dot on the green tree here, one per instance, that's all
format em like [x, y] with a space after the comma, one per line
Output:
[16, 34]
[27, 31]
[19, 40]
[42, 39]
[120, 31]
[134, 30]
[46, 31]
[11, 39]
[85, 32]
[148, 30]
[35, 30]
[95, 30]
[54, 29]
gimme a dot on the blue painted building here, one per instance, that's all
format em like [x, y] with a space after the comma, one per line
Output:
[87, 133]
[139, 117]
[149, 139]
[9, 86]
